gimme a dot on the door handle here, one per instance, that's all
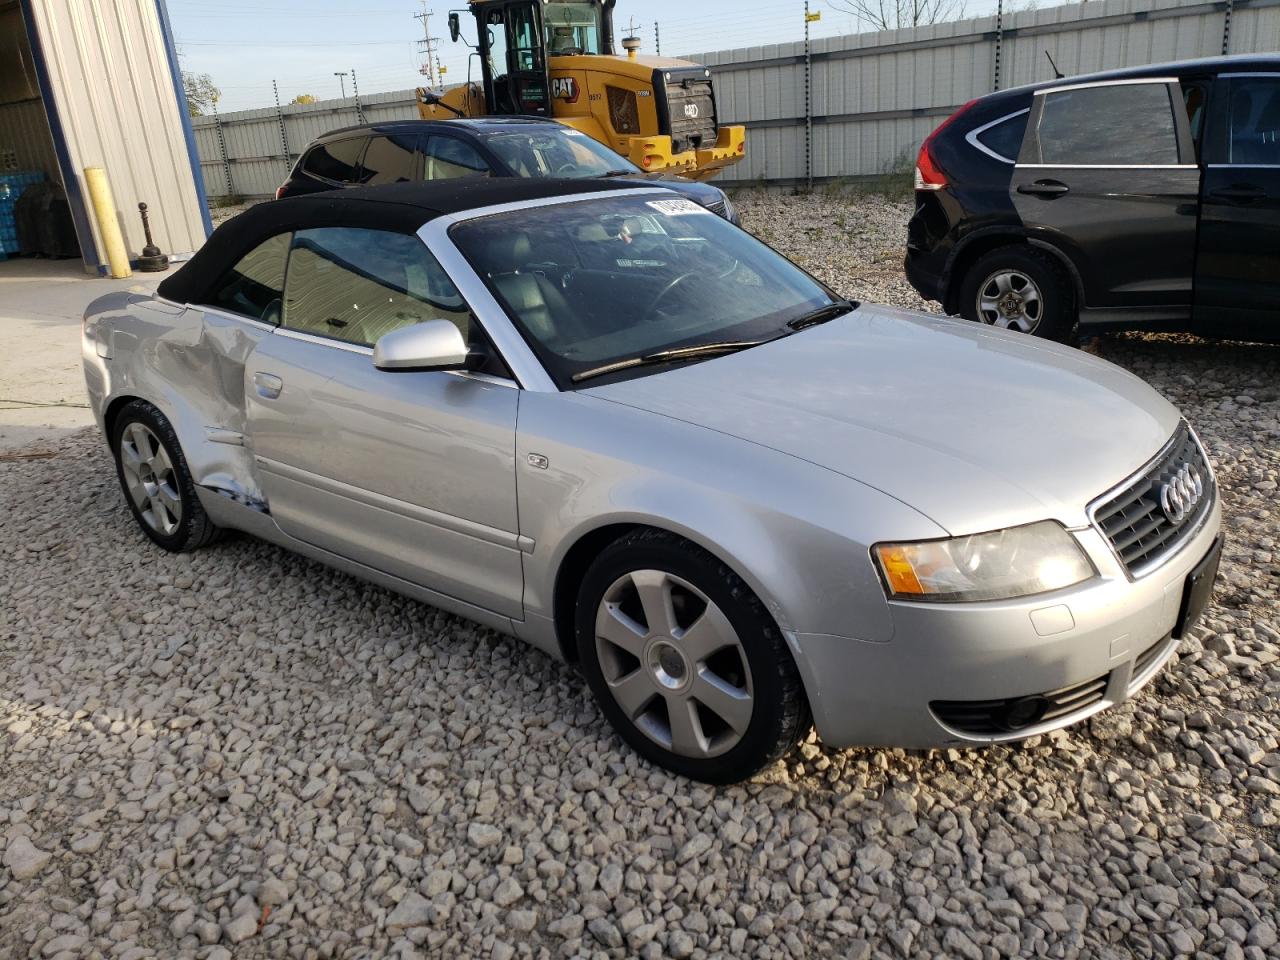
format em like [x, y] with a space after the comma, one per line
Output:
[1240, 194]
[1044, 188]
[268, 386]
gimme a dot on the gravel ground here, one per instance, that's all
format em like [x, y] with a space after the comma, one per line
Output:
[241, 753]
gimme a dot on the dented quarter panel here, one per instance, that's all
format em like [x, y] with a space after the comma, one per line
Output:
[190, 363]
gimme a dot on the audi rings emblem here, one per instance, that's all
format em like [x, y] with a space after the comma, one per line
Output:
[1180, 495]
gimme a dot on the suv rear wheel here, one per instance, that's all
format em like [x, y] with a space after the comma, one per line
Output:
[1020, 288]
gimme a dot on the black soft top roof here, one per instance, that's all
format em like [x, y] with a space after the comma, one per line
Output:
[402, 208]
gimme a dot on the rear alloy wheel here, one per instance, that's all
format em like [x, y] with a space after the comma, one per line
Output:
[149, 479]
[156, 482]
[685, 661]
[1012, 300]
[1022, 289]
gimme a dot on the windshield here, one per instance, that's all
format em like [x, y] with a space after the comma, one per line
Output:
[555, 151]
[612, 279]
[572, 28]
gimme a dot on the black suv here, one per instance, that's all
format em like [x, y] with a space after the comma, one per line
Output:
[1144, 199]
[410, 150]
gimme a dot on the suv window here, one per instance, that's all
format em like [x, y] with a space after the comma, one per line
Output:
[255, 285]
[1114, 124]
[338, 161]
[449, 158]
[1004, 138]
[1253, 121]
[392, 159]
[358, 285]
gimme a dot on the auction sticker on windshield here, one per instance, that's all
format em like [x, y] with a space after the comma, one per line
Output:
[677, 208]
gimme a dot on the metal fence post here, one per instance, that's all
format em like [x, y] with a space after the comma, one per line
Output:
[808, 103]
[284, 136]
[999, 40]
[222, 148]
[355, 89]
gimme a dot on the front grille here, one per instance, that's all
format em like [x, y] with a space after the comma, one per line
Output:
[989, 718]
[1141, 532]
[691, 111]
[718, 208]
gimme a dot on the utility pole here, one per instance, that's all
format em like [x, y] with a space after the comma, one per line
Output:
[342, 78]
[428, 43]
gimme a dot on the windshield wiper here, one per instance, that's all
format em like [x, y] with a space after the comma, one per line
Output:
[823, 314]
[669, 356]
[619, 173]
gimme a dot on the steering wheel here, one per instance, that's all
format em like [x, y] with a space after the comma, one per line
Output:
[568, 167]
[649, 314]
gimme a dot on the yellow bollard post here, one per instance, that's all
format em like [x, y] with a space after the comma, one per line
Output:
[104, 210]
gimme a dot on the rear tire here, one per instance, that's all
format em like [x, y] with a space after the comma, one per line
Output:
[156, 482]
[1020, 288]
[686, 662]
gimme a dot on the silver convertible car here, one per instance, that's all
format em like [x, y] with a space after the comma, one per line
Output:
[610, 423]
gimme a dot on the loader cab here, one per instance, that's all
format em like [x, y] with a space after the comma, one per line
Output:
[516, 38]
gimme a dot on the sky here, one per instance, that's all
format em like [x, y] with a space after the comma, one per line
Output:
[244, 45]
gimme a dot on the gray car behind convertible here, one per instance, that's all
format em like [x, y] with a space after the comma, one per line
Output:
[599, 418]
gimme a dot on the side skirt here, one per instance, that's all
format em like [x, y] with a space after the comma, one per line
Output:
[228, 513]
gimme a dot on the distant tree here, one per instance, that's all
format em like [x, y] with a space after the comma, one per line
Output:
[200, 91]
[302, 98]
[896, 14]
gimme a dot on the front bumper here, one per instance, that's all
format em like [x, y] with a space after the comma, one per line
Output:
[657, 153]
[1105, 640]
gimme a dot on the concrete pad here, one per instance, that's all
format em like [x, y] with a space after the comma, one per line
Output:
[42, 303]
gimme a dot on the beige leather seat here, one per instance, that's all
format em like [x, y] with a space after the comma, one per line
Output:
[537, 302]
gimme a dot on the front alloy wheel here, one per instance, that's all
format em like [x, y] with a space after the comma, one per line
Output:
[674, 664]
[685, 661]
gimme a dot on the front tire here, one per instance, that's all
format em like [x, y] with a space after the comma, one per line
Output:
[685, 661]
[1020, 288]
[156, 482]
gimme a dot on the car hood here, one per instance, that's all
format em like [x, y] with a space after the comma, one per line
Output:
[974, 427]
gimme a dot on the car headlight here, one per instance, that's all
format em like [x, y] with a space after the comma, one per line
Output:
[1001, 565]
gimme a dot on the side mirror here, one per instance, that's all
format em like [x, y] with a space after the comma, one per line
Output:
[455, 27]
[434, 345]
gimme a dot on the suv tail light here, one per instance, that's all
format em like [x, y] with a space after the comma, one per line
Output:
[930, 176]
[280, 191]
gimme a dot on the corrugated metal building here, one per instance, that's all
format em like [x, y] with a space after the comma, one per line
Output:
[89, 84]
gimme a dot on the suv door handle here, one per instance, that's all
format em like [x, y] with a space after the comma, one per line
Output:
[1242, 194]
[269, 387]
[1044, 188]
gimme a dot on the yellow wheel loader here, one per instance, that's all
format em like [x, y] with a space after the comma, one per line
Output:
[555, 58]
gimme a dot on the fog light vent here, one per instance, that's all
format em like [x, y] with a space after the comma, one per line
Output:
[993, 718]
